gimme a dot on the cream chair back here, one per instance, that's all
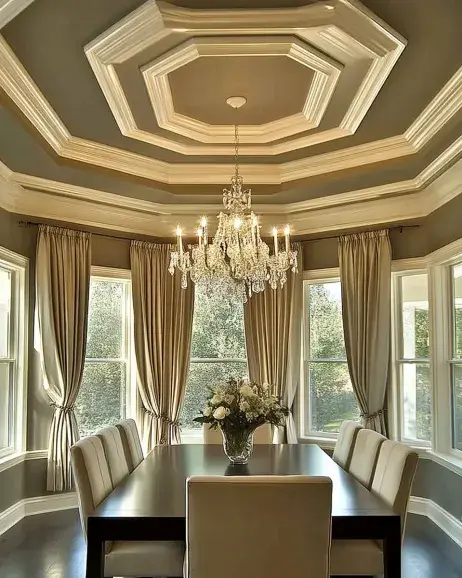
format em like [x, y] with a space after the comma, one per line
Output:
[394, 475]
[115, 455]
[365, 456]
[262, 435]
[91, 475]
[131, 442]
[346, 443]
[251, 526]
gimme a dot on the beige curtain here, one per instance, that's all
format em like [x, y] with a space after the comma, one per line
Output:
[62, 287]
[365, 273]
[272, 322]
[163, 315]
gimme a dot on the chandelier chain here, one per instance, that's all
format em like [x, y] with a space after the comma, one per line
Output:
[236, 148]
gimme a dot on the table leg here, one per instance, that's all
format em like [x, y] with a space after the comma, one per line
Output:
[95, 552]
[392, 551]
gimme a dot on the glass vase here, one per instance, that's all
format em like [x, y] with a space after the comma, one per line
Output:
[237, 444]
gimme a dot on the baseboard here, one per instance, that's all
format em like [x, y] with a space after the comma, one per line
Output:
[33, 506]
[439, 516]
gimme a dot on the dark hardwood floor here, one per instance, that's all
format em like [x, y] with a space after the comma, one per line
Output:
[52, 546]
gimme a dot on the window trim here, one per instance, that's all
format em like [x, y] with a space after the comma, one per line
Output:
[326, 439]
[395, 397]
[19, 266]
[452, 360]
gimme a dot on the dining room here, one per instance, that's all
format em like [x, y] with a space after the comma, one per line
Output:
[230, 289]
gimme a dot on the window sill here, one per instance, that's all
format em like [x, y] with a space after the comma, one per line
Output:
[324, 443]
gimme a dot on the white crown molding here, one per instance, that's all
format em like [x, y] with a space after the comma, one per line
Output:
[9, 9]
[439, 516]
[16, 82]
[411, 199]
[376, 44]
[326, 75]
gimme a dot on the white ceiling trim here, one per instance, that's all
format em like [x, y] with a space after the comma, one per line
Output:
[405, 200]
[319, 24]
[9, 9]
[326, 75]
[16, 82]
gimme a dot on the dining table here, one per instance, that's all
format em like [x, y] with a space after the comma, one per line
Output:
[150, 503]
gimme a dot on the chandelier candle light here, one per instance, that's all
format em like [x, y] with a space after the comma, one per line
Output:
[237, 258]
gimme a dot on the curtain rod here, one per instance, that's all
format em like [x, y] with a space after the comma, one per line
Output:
[400, 228]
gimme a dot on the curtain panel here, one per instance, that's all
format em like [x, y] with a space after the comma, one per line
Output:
[62, 293]
[365, 274]
[272, 321]
[163, 316]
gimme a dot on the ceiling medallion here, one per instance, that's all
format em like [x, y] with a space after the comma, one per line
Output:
[236, 258]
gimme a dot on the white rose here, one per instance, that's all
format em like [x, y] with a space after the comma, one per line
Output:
[246, 391]
[266, 386]
[216, 399]
[244, 406]
[207, 411]
[220, 413]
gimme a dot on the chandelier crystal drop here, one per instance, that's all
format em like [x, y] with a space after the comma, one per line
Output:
[236, 259]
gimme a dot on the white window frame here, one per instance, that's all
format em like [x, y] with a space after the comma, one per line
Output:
[452, 360]
[325, 439]
[18, 265]
[396, 402]
[124, 276]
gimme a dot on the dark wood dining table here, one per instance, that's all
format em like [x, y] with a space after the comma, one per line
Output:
[150, 504]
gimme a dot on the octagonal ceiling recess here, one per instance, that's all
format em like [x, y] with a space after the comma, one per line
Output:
[348, 51]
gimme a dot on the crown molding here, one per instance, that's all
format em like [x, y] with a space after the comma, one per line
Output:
[326, 75]
[9, 9]
[415, 198]
[376, 44]
[16, 82]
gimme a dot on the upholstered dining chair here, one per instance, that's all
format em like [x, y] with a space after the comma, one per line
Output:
[115, 454]
[130, 559]
[131, 442]
[365, 456]
[345, 443]
[392, 482]
[262, 435]
[252, 526]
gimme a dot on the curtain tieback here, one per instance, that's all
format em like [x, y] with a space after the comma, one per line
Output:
[63, 408]
[163, 417]
[373, 415]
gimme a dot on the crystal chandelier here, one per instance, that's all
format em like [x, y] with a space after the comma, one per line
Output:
[236, 259]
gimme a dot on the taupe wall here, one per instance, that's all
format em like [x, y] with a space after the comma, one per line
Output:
[437, 483]
[25, 480]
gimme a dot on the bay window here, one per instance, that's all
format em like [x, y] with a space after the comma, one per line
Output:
[456, 356]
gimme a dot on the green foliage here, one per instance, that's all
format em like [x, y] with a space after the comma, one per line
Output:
[218, 333]
[331, 396]
[101, 400]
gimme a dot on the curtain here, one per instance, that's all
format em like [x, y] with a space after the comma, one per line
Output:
[272, 321]
[62, 292]
[365, 274]
[163, 316]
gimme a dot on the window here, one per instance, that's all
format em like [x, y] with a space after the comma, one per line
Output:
[217, 352]
[107, 378]
[413, 373]
[456, 363]
[328, 396]
[13, 362]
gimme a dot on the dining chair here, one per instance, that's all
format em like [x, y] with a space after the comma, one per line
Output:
[131, 442]
[365, 456]
[252, 526]
[392, 482]
[93, 484]
[346, 443]
[262, 435]
[115, 454]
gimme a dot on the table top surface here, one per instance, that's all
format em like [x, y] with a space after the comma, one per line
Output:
[157, 489]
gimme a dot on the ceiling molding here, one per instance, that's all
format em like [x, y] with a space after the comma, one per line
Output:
[373, 42]
[9, 9]
[16, 82]
[410, 199]
[326, 75]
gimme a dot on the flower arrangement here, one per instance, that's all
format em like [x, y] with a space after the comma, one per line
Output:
[238, 407]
